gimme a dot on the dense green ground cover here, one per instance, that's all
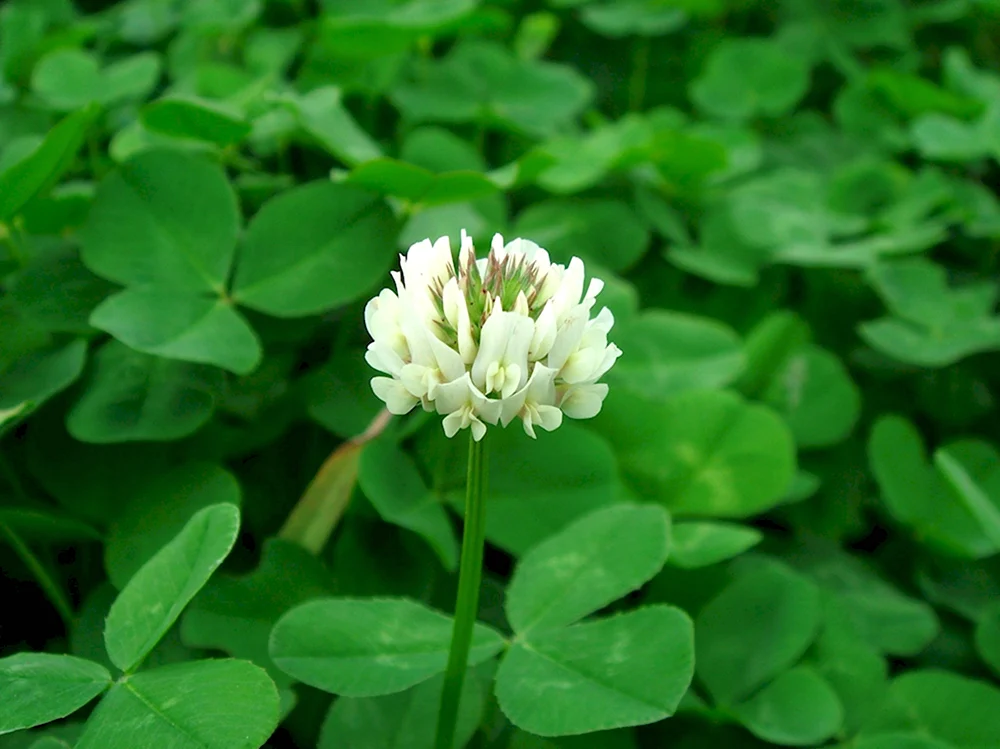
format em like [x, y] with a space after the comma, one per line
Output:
[781, 530]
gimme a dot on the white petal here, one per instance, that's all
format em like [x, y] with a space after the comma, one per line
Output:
[457, 313]
[567, 296]
[530, 251]
[397, 398]
[441, 265]
[521, 304]
[521, 335]
[467, 252]
[452, 423]
[584, 401]
[593, 289]
[383, 358]
[497, 247]
[529, 427]
[452, 300]
[549, 282]
[604, 321]
[513, 374]
[545, 333]
[541, 387]
[567, 338]
[416, 333]
[488, 408]
[511, 407]
[413, 265]
[478, 429]
[551, 418]
[611, 354]
[448, 360]
[453, 396]
[580, 367]
[492, 343]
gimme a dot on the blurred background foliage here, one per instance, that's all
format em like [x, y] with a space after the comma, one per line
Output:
[793, 204]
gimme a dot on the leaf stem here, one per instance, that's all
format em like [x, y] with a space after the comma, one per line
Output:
[470, 576]
[640, 72]
[51, 588]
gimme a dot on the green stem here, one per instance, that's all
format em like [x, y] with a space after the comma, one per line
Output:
[8, 472]
[470, 575]
[640, 71]
[51, 588]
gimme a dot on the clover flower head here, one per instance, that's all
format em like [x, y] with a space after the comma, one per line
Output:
[509, 336]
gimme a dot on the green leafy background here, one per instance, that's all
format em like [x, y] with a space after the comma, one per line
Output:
[783, 528]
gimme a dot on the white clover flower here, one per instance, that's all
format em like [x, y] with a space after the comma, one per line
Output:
[499, 338]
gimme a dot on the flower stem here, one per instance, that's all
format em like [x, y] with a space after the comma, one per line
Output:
[48, 584]
[470, 575]
[639, 74]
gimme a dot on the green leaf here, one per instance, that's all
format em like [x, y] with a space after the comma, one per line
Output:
[165, 219]
[626, 670]
[323, 116]
[482, 81]
[406, 720]
[10, 417]
[913, 96]
[392, 483]
[130, 78]
[753, 630]
[618, 19]
[314, 247]
[606, 232]
[817, 397]
[701, 452]
[167, 707]
[236, 614]
[743, 78]
[69, 312]
[132, 397]
[957, 711]
[943, 138]
[158, 592]
[857, 673]
[69, 78]
[932, 324]
[788, 208]
[339, 394]
[421, 186]
[591, 563]
[984, 510]
[47, 526]
[365, 648]
[700, 544]
[158, 510]
[38, 376]
[189, 327]
[537, 487]
[46, 164]
[871, 610]
[988, 637]
[796, 709]
[42, 687]
[197, 119]
[722, 255]
[359, 30]
[440, 150]
[670, 352]
[917, 495]
[50, 742]
[899, 741]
